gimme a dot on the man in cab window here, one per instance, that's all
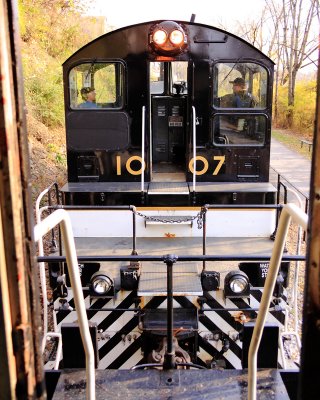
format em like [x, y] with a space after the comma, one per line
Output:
[88, 95]
[240, 98]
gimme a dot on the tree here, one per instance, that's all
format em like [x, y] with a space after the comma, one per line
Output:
[294, 46]
[51, 30]
[57, 25]
[284, 33]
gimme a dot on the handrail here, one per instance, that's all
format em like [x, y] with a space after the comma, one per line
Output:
[289, 211]
[142, 146]
[61, 217]
[294, 292]
[42, 271]
[297, 267]
[230, 257]
[281, 176]
[194, 149]
[100, 208]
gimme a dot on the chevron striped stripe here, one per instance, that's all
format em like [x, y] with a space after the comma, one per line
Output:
[117, 352]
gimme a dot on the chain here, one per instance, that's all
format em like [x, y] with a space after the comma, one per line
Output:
[200, 216]
[178, 220]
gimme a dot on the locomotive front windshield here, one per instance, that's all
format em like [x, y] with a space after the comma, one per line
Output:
[174, 83]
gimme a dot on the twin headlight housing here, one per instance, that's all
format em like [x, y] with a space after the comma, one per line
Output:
[168, 38]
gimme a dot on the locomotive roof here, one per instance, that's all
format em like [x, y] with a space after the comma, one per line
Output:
[133, 39]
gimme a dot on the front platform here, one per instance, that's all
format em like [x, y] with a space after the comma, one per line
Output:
[164, 193]
[186, 280]
[174, 384]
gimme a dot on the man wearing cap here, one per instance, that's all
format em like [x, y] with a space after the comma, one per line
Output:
[239, 98]
[88, 95]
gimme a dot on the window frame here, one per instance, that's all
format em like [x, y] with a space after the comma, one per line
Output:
[121, 77]
[168, 78]
[239, 115]
[239, 61]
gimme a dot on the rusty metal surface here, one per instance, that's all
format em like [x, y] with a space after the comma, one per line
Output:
[15, 209]
[165, 385]
[309, 381]
[314, 248]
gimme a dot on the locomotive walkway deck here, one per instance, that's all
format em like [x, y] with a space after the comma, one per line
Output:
[292, 166]
[174, 384]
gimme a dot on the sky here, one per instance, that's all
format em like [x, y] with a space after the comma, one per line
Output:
[226, 12]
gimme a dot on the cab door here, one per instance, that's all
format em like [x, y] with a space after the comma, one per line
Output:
[168, 111]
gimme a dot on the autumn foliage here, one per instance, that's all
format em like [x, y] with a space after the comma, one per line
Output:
[303, 109]
[51, 30]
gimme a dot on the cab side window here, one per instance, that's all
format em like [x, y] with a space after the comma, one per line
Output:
[97, 85]
[240, 85]
[239, 104]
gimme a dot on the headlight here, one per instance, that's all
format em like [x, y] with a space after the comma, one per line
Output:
[177, 37]
[236, 284]
[159, 37]
[101, 285]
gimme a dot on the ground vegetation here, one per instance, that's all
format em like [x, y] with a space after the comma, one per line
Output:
[51, 30]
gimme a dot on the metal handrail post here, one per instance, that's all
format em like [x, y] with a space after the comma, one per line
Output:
[134, 231]
[278, 202]
[194, 154]
[204, 238]
[289, 211]
[143, 164]
[42, 271]
[61, 217]
[169, 362]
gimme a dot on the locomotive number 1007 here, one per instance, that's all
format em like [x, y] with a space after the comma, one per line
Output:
[193, 164]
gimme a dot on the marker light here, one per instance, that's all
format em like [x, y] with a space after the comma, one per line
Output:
[236, 284]
[159, 37]
[210, 280]
[176, 37]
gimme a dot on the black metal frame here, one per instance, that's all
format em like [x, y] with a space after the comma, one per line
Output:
[169, 259]
[203, 212]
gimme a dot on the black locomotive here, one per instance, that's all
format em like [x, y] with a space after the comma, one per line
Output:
[168, 127]
[173, 107]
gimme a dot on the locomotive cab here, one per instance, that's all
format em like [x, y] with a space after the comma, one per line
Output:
[181, 110]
